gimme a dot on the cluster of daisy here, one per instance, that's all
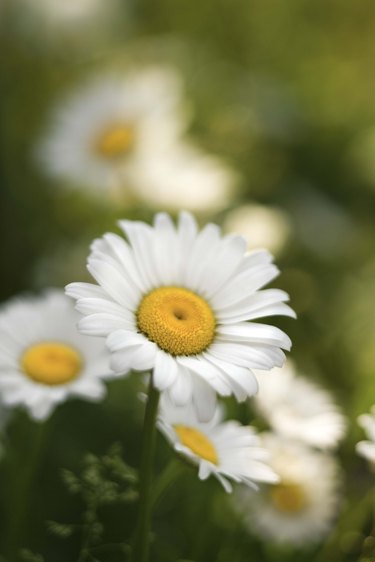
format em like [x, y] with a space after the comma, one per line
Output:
[187, 315]
[305, 427]
[123, 135]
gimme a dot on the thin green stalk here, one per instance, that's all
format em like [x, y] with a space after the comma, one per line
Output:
[140, 548]
[22, 491]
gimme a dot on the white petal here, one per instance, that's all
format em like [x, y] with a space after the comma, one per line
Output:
[101, 324]
[252, 333]
[114, 283]
[181, 390]
[204, 399]
[84, 290]
[242, 286]
[165, 370]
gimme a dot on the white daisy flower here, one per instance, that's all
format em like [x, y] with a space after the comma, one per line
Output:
[182, 302]
[124, 134]
[300, 509]
[102, 134]
[43, 359]
[262, 226]
[223, 449]
[296, 407]
[367, 448]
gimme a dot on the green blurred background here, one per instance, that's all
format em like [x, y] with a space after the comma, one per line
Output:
[284, 92]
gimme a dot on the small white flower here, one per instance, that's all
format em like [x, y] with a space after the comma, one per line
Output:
[262, 226]
[43, 359]
[178, 301]
[185, 178]
[296, 407]
[104, 132]
[300, 509]
[222, 449]
[367, 448]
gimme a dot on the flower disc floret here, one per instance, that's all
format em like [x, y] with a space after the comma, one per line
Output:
[116, 141]
[51, 363]
[177, 320]
[288, 497]
[197, 442]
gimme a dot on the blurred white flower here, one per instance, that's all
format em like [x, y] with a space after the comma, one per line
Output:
[222, 449]
[367, 448]
[296, 407]
[262, 226]
[178, 301]
[184, 177]
[43, 359]
[125, 133]
[300, 509]
[102, 133]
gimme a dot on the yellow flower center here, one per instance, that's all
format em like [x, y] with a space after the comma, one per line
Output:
[288, 497]
[115, 141]
[197, 442]
[177, 320]
[51, 363]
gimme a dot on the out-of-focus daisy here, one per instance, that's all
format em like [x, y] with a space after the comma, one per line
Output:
[124, 134]
[182, 302]
[185, 177]
[102, 134]
[43, 359]
[261, 226]
[296, 407]
[225, 450]
[367, 448]
[299, 509]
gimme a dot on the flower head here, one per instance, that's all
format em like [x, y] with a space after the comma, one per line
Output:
[103, 132]
[299, 509]
[367, 448]
[296, 407]
[226, 450]
[182, 302]
[43, 358]
[124, 134]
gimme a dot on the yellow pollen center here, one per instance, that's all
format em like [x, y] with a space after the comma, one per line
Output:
[288, 497]
[51, 363]
[115, 141]
[177, 320]
[197, 442]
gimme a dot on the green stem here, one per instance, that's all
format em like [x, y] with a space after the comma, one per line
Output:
[141, 538]
[23, 491]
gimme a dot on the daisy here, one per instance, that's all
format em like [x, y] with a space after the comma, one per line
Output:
[182, 302]
[99, 136]
[297, 408]
[367, 448]
[124, 134]
[300, 509]
[223, 449]
[43, 359]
